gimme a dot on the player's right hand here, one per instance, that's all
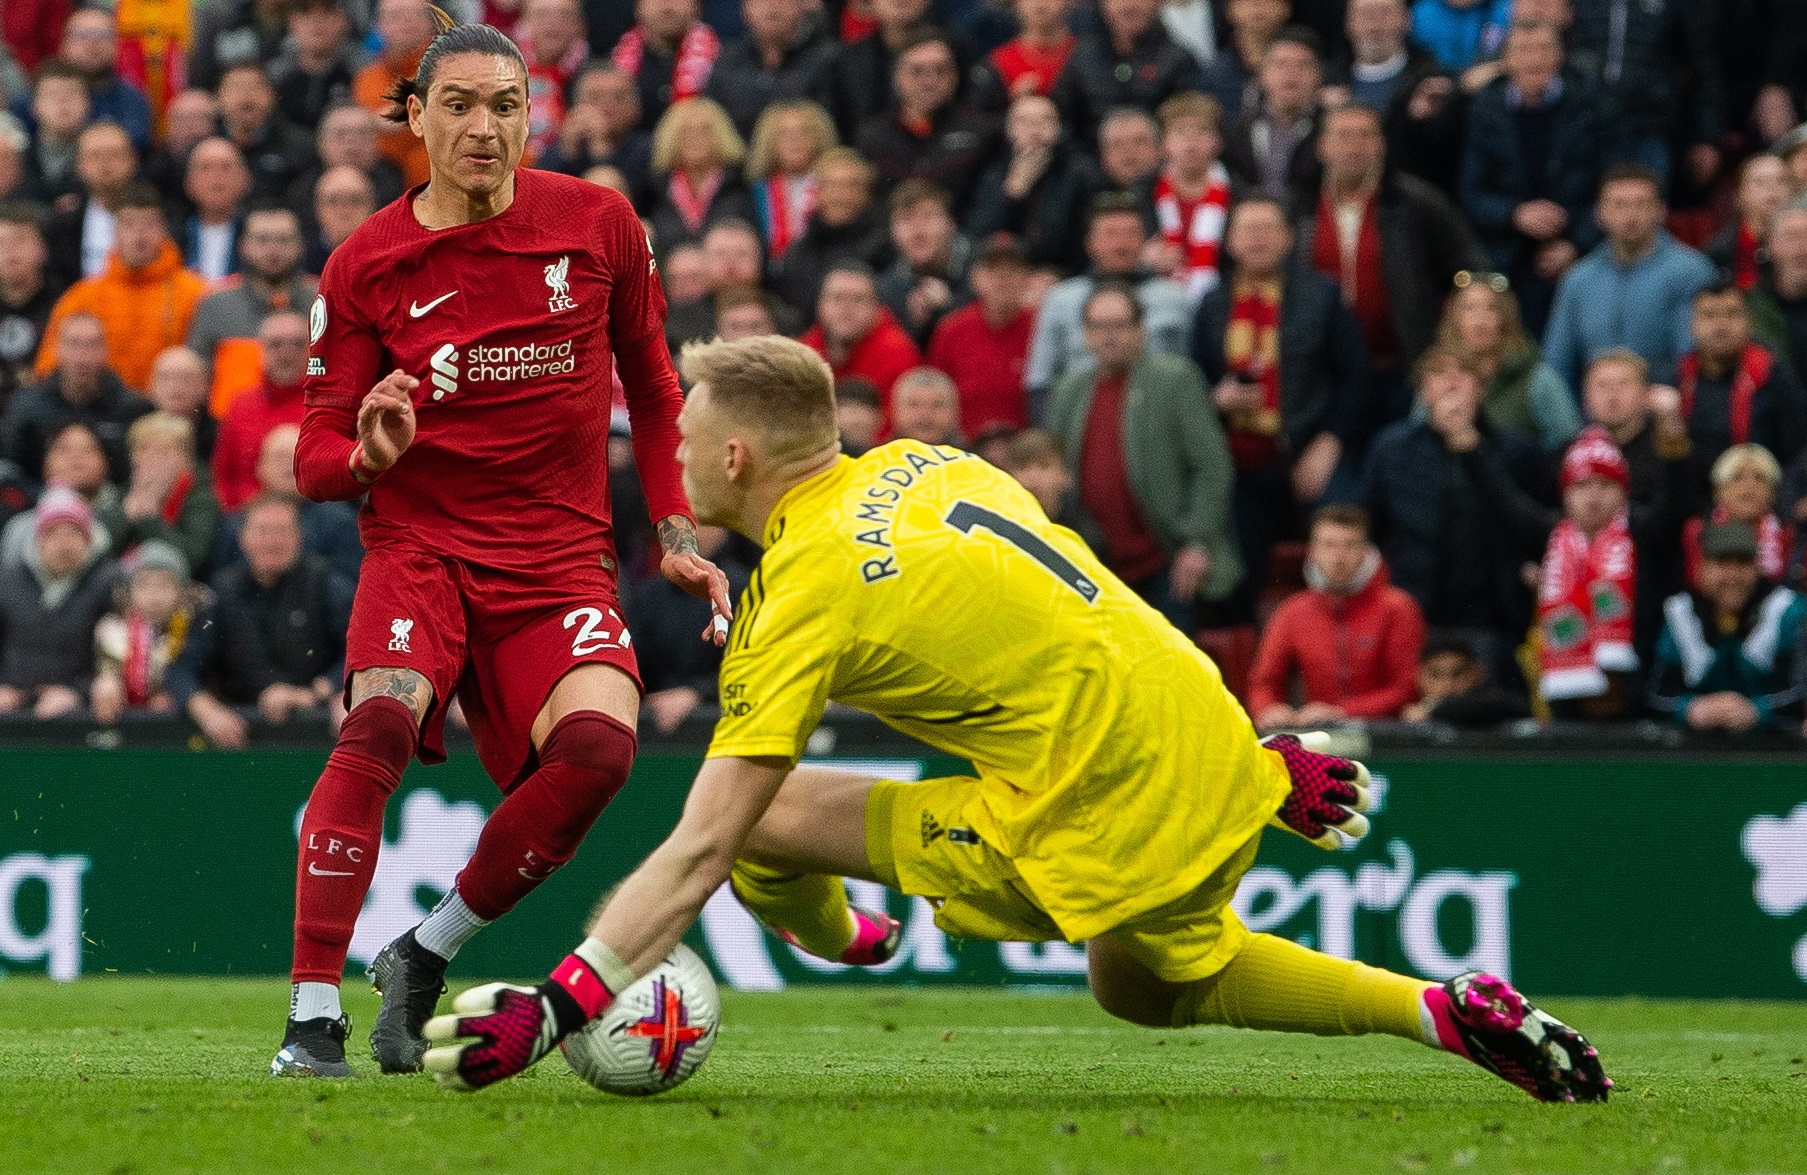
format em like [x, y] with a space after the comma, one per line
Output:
[498, 1030]
[386, 421]
[1329, 794]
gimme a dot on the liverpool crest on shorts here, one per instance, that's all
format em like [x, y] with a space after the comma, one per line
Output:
[558, 281]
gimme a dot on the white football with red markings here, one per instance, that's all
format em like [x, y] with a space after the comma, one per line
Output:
[656, 1034]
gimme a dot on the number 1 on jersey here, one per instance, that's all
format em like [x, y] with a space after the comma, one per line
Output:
[965, 516]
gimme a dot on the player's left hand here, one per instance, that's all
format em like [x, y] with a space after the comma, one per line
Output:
[1329, 794]
[497, 1031]
[705, 581]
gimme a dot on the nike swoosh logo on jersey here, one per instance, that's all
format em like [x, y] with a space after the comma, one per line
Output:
[316, 871]
[415, 310]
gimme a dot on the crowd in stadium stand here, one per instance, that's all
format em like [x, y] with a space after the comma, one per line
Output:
[1430, 361]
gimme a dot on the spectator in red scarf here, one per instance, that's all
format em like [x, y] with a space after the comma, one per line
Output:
[275, 400]
[1585, 603]
[669, 52]
[1764, 186]
[551, 36]
[788, 140]
[1285, 358]
[1646, 425]
[844, 226]
[1029, 62]
[1351, 639]
[1393, 243]
[1732, 389]
[698, 154]
[1191, 195]
[1745, 481]
[984, 345]
[169, 498]
[134, 646]
[856, 334]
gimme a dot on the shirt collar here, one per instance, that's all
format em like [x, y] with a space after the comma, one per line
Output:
[1551, 95]
[1385, 71]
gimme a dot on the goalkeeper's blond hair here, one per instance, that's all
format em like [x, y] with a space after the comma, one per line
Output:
[771, 384]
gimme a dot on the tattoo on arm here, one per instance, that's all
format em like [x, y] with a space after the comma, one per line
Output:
[405, 685]
[677, 535]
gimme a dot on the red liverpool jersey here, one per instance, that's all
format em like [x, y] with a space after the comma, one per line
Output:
[512, 326]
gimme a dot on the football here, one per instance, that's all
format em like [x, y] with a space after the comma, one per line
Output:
[655, 1035]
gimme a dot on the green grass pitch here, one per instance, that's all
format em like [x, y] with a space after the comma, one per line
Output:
[117, 1075]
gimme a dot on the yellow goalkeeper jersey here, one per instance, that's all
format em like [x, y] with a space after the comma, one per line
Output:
[927, 587]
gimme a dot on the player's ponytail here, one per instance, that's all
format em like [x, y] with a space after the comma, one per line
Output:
[452, 38]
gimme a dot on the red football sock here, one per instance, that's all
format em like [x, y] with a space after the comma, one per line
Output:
[342, 831]
[583, 763]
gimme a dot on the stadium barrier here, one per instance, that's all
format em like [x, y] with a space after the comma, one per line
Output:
[1641, 871]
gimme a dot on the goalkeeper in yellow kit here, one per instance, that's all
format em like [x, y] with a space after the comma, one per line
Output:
[1120, 792]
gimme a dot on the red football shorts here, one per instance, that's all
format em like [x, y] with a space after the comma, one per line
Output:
[500, 641]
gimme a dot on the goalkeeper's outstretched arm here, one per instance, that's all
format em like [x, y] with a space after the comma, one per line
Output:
[499, 1030]
[650, 911]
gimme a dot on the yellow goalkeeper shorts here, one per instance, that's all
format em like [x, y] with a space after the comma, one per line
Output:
[919, 843]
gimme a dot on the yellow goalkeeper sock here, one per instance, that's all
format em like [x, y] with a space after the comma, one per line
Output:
[1282, 986]
[811, 907]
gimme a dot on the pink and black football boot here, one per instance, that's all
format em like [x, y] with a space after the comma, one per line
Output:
[1483, 1018]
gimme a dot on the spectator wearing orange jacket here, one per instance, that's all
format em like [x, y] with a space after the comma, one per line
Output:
[1352, 639]
[274, 401]
[144, 299]
[406, 28]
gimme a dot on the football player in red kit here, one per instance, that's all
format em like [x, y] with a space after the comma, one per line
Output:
[459, 374]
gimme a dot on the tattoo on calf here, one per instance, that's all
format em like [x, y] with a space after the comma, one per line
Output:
[677, 535]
